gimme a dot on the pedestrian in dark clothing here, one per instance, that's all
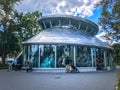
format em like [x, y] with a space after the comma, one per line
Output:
[74, 69]
[29, 66]
[19, 66]
[15, 65]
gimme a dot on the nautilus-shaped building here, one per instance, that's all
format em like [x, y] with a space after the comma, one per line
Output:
[64, 36]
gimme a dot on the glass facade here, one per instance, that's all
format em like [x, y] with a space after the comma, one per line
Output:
[63, 52]
[83, 56]
[100, 58]
[54, 56]
[63, 38]
[47, 56]
[34, 55]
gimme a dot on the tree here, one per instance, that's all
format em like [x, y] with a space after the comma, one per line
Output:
[116, 54]
[6, 26]
[15, 28]
[27, 24]
[110, 19]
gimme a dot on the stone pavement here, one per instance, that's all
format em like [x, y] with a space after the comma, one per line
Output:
[21, 80]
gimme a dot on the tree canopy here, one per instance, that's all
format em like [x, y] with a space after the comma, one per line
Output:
[6, 27]
[116, 54]
[27, 24]
[15, 27]
[110, 19]
[110, 22]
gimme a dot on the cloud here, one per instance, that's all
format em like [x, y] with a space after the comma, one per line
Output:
[70, 7]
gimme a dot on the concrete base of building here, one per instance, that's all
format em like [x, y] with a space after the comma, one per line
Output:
[57, 70]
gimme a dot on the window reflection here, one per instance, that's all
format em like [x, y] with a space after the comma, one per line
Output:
[99, 59]
[34, 55]
[108, 57]
[63, 52]
[25, 55]
[47, 56]
[83, 56]
[51, 56]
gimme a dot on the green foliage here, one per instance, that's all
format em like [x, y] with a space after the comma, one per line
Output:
[7, 25]
[116, 54]
[27, 24]
[15, 27]
[110, 18]
[3, 66]
[6, 6]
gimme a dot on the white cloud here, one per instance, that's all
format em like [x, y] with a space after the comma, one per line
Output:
[100, 27]
[72, 7]
[102, 37]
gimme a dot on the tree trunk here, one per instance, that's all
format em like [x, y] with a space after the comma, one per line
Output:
[3, 59]
[4, 54]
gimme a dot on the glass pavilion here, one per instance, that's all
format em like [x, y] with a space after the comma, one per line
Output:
[65, 36]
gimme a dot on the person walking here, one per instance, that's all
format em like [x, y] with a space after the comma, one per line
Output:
[29, 66]
[15, 64]
[10, 65]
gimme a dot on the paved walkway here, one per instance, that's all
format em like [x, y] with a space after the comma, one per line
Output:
[21, 80]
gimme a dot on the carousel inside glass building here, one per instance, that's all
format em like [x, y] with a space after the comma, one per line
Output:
[65, 36]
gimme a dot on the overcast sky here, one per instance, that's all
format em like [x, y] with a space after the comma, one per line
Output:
[81, 8]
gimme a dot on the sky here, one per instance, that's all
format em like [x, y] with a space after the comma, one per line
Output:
[80, 8]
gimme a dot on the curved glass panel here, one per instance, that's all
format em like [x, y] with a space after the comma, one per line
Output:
[83, 56]
[47, 56]
[99, 59]
[64, 52]
[108, 58]
[58, 20]
[25, 56]
[34, 55]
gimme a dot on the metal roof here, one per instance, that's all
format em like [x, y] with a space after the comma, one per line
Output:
[67, 20]
[65, 35]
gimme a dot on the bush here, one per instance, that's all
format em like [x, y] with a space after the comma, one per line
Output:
[3, 66]
[116, 54]
[118, 82]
